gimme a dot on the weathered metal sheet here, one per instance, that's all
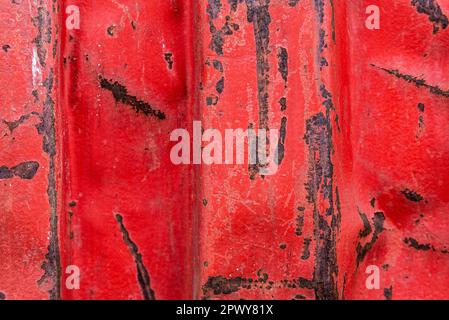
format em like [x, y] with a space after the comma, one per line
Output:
[88, 183]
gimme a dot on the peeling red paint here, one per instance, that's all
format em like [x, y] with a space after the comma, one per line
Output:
[86, 177]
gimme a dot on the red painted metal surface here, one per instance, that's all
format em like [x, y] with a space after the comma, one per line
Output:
[87, 180]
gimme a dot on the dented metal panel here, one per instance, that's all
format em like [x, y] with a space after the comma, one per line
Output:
[92, 205]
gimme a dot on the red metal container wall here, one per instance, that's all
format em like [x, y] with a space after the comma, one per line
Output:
[361, 178]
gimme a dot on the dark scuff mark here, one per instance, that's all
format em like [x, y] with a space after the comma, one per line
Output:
[6, 47]
[306, 251]
[120, 94]
[373, 202]
[168, 57]
[378, 223]
[281, 143]
[388, 293]
[412, 195]
[299, 297]
[433, 10]
[2, 296]
[283, 103]
[283, 63]
[52, 264]
[283, 246]
[420, 83]
[142, 273]
[220, 85]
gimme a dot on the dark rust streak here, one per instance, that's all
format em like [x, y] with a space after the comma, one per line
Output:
[258, 14]
[52, 265]
[366, 226]
[283, 63]
[413, 243]
[362, 250]
[43, 23]
[388, 293]
[142, 273]
[12, 125]
[168, 57]
[416, 81]
[433, 10]
[300, 221]
[281, 142]
[320, 190]
[306, 250]
[220, 285]
[283, 103]
[120, 94]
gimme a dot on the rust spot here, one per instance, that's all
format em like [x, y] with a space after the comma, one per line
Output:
[412, 195]
[168, 57]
